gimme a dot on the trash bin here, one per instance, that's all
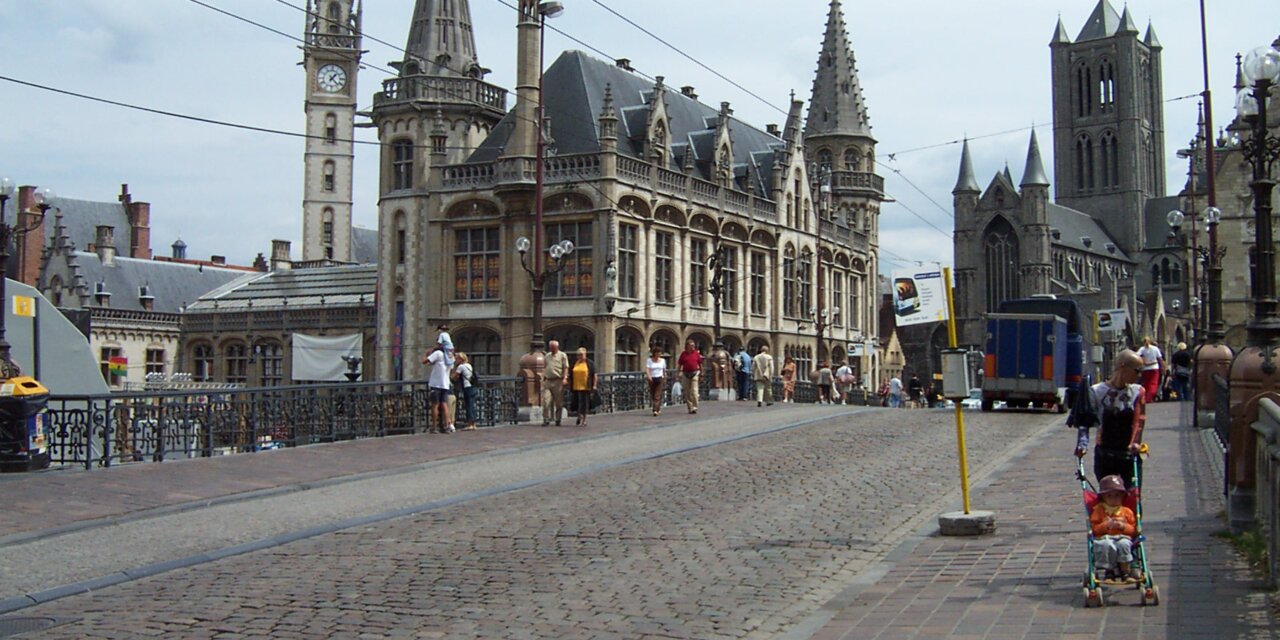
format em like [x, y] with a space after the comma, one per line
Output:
[24, 445]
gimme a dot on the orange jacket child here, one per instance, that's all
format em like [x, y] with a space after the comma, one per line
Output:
[1113, 521]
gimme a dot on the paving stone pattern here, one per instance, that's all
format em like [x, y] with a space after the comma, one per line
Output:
[742, 540]
[1026, 580]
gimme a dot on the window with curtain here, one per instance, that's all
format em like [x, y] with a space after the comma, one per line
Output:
[576, 279]
[475, 264]
[237, 359]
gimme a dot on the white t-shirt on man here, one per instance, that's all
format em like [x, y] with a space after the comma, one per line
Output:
[439, 378]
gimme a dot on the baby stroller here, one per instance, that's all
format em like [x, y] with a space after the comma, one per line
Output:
[1093, 587]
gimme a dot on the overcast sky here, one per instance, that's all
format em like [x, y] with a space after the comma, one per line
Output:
[932, 71]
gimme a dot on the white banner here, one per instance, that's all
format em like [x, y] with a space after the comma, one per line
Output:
[319, 358]
[919, 297]
[1112, 320]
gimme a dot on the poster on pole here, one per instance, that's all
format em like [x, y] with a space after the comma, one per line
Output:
[919, 297]
[1112, 320]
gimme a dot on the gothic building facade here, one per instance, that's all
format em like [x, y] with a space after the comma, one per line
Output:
[645, 181]
[1103, 239]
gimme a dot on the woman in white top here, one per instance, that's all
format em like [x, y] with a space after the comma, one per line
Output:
[464, 374]
[1152, 367]
[656, 372]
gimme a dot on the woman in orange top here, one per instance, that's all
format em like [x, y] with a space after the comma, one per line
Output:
[1114, 526]
[582, 382]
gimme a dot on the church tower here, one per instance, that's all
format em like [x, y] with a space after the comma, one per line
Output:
[331, 58]
[434, 113]
[840, 149]
[1108, 122]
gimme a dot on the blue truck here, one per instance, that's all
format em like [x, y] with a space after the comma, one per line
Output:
[1034, 354]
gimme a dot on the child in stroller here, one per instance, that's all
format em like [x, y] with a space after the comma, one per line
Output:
[1114, 526]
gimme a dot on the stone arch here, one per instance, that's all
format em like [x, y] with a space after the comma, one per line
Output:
[762, 238]
[483, 347]
[629, 349]
[568, 202]
[667, 340]
[703, 222]
[734, 231]
[472, 207]
[731, 342]
[635, 205]
[701, 340]
[754, 344]
[842, 260]
[670, 215]
[572, 336]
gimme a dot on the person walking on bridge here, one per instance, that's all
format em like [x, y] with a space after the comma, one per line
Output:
[555, 374]
[762, 369]
[690, 365]
[1117, 406]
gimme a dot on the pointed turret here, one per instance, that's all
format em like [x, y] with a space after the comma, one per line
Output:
[1151, 39]
[1033, 174]
[1240, 82]
[836, 106]
[1102, 23]
[441, 40]
[1126, 22]
[1060, 33]
[966, 182]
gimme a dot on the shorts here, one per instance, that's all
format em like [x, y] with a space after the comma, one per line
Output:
[436, 396]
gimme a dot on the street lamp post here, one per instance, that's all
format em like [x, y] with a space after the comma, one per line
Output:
[43, 200]
[821, 320]
[1254, 371]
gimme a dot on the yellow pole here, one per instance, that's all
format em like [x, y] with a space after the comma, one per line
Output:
[951, 335]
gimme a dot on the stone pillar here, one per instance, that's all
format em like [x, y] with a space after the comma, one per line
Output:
[1253, 377]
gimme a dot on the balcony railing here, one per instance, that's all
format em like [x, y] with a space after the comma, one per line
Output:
[859, 180]
[441, 89]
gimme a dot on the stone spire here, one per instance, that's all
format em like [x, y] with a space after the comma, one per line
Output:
[1033, 174]
[1104, 22]
[1060, 33]
[1152, 41]
[836, 105]
[441, 40]
[1126, 22]
[966, 183]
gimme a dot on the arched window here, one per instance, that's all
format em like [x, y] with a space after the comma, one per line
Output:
[483, 348]
[1108, 160]
[1156, 274]
[852, 160]
[668, 343]
[1000, 249]
[330, 128]
[236, 356]
[328, 180]
[627, 354]
[1106, 86]
[824, 160]
[202, 363]
[1084, 163]
[805, 277]
[572, 337]
[789, 283]
[1084, 90]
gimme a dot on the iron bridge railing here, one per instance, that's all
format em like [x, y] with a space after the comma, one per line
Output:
[153, 426]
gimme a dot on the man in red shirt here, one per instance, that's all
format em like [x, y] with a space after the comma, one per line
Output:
[690, 364]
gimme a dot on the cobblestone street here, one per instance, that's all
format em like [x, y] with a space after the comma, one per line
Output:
[738, 540]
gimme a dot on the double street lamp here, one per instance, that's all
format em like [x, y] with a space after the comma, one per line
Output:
[1261, 149]
[539, 272]
[43, 199]
[822, 319]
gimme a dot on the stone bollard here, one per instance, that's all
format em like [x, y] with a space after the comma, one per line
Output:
[974, 523]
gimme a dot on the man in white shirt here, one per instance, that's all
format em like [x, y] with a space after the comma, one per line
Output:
[844, 381]
[895, 392]
[439, 389]
[1152, 365]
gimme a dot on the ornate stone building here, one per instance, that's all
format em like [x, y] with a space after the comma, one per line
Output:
[1104, 240]
[646, 181]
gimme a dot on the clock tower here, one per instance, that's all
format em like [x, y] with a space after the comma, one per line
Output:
[331, 57]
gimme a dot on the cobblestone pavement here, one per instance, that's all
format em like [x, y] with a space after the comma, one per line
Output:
[741, 540]
[1026, 580]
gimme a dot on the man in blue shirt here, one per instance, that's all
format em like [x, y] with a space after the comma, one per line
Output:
[743, 361]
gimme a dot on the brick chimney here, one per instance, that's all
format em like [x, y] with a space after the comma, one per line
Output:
[145, 298]
[104, 245]
[280, 260]
[25, 265]
[139, 214]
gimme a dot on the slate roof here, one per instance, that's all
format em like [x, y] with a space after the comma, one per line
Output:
[1073, 225]
[1104, 22]
[574, 89]
[173, 284]
[82, 218]
[364, 245]
[1155, 219]
[343, 286]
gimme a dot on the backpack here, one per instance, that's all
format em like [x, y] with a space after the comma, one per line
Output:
[475, 376]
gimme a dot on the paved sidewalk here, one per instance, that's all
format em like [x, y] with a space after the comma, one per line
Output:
[64, 499]
[1025, 580]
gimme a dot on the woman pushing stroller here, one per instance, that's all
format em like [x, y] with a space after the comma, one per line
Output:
[1117, 406]
[1116, 546]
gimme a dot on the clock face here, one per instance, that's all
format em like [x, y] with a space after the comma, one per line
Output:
[331, 78]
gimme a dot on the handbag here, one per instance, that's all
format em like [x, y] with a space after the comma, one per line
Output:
[595, 399]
